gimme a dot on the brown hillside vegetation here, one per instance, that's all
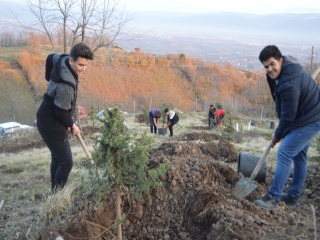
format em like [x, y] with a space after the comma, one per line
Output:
[148, 80]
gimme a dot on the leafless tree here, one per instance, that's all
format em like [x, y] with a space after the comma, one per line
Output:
[97, 23]
[7, 39]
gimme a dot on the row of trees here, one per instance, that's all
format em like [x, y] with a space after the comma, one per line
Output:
[8, 39]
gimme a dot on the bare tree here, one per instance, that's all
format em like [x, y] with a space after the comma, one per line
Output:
[98, 23]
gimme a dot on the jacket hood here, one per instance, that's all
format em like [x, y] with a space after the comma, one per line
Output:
[62, 71]
[290, 69]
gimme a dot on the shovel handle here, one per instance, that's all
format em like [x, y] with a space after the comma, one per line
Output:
[85, 148]
[260, 163]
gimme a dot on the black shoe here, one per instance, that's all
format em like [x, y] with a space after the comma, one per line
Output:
[170, 135]
[292, 201]
[267, 202]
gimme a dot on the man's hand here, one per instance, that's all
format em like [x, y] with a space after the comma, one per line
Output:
[74, 130]
[274, 140]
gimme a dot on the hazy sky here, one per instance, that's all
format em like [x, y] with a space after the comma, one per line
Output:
[200, 6]
[249, 6]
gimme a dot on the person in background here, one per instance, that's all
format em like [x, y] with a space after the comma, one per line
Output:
[55, 114]
[297, 101]
[173, 119]
[154, 115]
[219, 115]
[211, 116]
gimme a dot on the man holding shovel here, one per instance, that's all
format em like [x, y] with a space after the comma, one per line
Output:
[55, 114]
[297, 100]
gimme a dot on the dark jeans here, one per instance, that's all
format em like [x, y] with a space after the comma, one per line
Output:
[61, 161]
[152, 126]
[173, 121]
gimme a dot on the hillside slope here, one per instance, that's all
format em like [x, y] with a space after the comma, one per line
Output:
[138, 81]
[17, 103]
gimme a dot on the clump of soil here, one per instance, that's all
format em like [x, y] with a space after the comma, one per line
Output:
[195, 202]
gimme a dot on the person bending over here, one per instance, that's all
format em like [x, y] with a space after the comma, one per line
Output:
[154, 115]
[173, 119]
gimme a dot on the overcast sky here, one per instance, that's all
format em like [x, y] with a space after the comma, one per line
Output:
[248, 6]
[205, 6]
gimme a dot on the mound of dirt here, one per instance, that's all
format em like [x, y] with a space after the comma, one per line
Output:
[195, 203]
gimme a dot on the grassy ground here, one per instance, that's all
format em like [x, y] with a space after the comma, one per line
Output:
[10, 53]
[25, 178]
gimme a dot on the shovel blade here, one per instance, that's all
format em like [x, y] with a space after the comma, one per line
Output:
[243, 188]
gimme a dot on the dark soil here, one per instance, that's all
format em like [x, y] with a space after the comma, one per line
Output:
[195, 201]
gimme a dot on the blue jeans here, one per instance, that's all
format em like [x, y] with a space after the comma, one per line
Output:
[293, 148]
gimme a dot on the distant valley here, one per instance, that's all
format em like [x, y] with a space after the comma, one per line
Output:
[218, 37]
[223, 37]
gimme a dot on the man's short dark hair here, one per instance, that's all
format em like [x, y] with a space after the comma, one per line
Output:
[270, 51]
[81, 50]
[211, 105]
[166, 110]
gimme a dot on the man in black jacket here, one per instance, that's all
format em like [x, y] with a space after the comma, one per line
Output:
[211, 117]
[55, 114]
[297, 99]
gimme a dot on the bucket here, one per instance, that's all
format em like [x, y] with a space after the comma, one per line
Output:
[162, 131]
[272, 124]
[246, 165]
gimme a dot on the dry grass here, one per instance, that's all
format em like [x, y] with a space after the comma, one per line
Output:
[56, 205]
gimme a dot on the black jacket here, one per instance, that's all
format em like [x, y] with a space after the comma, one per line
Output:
[297, 97]
[54, 115]
[211, 114]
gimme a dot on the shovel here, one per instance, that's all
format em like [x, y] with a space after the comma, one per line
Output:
[85, 148]
[244, 187]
